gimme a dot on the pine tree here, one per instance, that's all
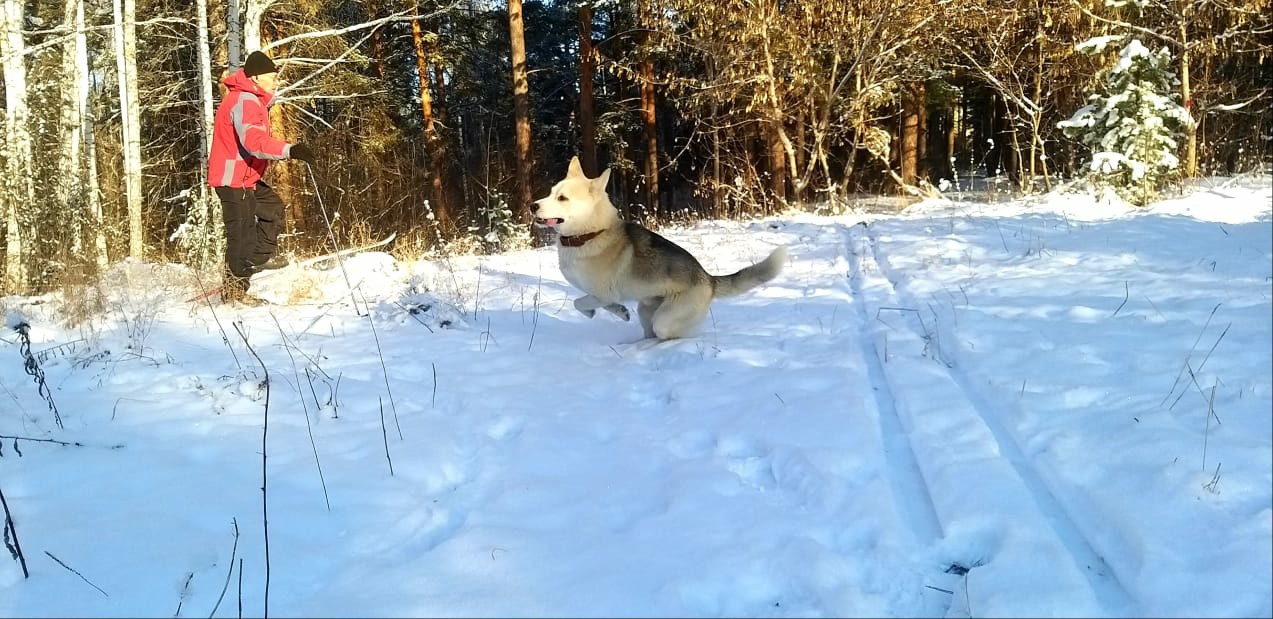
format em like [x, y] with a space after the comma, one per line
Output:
[1134, 128]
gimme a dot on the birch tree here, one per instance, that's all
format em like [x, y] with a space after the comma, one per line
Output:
[130, 119]
[88, 129]
[17, 188]
[201, 232]
[77, 187]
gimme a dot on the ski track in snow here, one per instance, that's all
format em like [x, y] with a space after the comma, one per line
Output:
[888, 293]
[914, 498]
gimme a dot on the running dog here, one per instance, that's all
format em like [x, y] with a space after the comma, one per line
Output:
[613, 261]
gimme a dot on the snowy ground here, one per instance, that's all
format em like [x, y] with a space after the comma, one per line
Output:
[1044, 408]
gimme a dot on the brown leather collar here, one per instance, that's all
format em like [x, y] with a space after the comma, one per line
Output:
[579, 239]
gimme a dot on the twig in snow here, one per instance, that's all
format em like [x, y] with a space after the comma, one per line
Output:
[384, 371]
[185, 593]
[1185, 365]
[434, 404]
[233, 551]
[265, 431]
[1206, 432]
[240, 588]
[305, 409]
[534, 323]
[73, 571]
[1214, 485]
[1126, 290]
[11, 537]
[1193, 373]
[384, 434]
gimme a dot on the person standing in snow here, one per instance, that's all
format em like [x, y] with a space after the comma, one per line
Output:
[242, 149]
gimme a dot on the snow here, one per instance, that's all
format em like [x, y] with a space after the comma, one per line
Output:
[1056, 406]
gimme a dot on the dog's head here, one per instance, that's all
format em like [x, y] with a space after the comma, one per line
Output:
[577, 204]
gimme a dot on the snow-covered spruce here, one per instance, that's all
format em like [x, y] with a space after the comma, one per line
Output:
[1134, 127]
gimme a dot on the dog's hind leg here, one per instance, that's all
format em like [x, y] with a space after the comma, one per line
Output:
[680, 313]
[645, 311]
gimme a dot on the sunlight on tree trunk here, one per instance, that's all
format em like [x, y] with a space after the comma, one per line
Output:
[521, 112]
[130, 121]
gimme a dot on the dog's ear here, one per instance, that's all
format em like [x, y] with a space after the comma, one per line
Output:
[575, 169]
[599, 183]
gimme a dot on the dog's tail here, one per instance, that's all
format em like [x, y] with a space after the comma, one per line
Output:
[752, 276]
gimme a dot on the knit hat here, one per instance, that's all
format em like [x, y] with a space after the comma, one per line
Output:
[258, 64]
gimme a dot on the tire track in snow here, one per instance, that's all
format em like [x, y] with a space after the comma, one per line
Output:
[1108, 592]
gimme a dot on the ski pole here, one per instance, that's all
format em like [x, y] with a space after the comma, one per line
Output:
[331, 234]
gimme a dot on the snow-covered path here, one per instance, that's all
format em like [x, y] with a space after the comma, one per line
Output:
[962, 411]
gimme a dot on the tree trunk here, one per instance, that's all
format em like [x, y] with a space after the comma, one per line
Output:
[18, 192]
[777, 166]
[432, 143]
[377, 40]
[130, 120]
[649, 131]
[587, 116]
[205, 217]
[234, 36]
[1186, 95]
[253, 21]
[521, 111]
[910, 135]
[70, 183]
[649, 125]
[88, 129]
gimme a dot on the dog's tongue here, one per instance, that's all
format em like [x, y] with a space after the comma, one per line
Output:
[552, 222]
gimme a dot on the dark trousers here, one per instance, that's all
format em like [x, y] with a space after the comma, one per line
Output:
[253, 219]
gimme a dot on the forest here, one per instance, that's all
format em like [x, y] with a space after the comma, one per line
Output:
[441, 121]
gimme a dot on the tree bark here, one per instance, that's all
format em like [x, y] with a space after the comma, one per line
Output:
[649, 121]
[587, 116]
[521, 110]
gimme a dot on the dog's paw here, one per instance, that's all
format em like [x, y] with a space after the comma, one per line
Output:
[586, 305]
[619, 310]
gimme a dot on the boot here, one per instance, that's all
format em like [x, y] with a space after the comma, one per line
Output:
[276, 261]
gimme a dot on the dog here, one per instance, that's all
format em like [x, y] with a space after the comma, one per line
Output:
[613, 261]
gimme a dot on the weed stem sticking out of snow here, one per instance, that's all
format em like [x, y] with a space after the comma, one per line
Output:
[265, 495]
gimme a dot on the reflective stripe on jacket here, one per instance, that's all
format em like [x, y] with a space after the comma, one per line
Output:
[242, 146]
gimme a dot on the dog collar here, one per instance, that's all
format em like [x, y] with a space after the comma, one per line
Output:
[577, 240]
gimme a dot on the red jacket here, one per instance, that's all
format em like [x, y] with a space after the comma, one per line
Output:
[242, 146]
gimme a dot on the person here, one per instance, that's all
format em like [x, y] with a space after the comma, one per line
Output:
[242, 149]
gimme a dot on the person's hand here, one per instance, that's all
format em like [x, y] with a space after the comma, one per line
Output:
[303, 153]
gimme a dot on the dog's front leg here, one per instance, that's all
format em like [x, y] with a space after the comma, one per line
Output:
[588, 304]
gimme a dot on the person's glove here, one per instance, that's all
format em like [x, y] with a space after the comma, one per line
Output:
[303, 153]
